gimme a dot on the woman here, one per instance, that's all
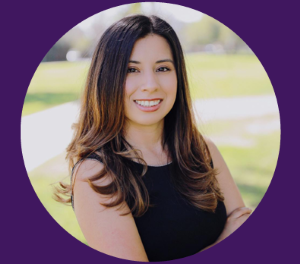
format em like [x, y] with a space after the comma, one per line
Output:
[146, 185]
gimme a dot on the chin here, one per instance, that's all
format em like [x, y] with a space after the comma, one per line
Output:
[146, 122]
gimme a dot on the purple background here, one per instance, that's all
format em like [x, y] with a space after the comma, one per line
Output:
[30, 28]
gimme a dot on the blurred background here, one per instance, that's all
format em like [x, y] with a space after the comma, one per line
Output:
[233, 99]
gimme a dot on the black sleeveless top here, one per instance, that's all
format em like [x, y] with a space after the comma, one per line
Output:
[173, 228]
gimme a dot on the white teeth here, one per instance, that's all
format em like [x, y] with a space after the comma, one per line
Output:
[148, 103]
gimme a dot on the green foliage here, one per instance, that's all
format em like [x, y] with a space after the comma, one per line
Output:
[210, 31]
[209, 28]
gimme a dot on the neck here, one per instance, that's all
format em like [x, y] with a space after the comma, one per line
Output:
[147, 139]
[144, 137]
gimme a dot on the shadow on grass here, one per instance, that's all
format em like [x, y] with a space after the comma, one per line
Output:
[252, 194]
[51, 98]
[261, 170]
[40, 101]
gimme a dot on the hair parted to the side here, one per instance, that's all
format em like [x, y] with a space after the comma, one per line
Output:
[101, 123]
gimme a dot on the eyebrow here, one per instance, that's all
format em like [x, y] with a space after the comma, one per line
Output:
[159, 61]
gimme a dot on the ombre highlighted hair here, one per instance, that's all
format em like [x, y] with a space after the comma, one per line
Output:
[99, 130]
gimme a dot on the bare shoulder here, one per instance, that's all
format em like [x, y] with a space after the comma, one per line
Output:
[216, 156]
[210, 144]
[86, 169]
[105, 229]
[232, 196]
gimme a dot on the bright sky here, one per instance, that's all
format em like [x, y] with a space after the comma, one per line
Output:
[181, 13]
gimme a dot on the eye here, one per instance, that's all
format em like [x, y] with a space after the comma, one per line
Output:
[130, 70]
[163, 69]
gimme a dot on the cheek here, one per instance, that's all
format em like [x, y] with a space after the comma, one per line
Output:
[171, 87]
[129, 89]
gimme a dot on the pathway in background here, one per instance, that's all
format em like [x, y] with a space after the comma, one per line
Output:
[46, 134]
[235, 107]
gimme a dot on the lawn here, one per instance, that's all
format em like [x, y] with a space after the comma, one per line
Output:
[55, 83]
[226, 76]
[209, 76]
[42, 179]
[250, 148]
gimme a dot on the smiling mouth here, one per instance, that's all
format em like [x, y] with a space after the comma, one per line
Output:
[148, 103]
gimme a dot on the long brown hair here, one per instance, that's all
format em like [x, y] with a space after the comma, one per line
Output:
[99, 130]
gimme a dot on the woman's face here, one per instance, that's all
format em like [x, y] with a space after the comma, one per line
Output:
[151, 83]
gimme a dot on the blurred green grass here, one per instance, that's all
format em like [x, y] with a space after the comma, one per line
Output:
[55, 83]
[251, 157]
[42, 180]
[226, 76]
[209, 76]
[252, 166]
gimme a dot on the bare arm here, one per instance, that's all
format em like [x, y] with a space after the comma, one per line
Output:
[232, 196]
[104, 229]
[237, 213]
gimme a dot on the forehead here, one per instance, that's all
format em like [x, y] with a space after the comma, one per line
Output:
[151, 47]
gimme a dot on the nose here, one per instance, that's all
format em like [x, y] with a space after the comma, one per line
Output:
[151, 83]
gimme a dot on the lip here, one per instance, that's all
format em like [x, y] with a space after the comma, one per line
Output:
[148, 108]
[153, 99]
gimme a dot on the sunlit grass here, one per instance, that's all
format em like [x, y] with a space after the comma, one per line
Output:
[42, 180]
[253, 167]
[59, 77]
[226, 76]
[250, 156]
[40, 101]
[53, 84]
